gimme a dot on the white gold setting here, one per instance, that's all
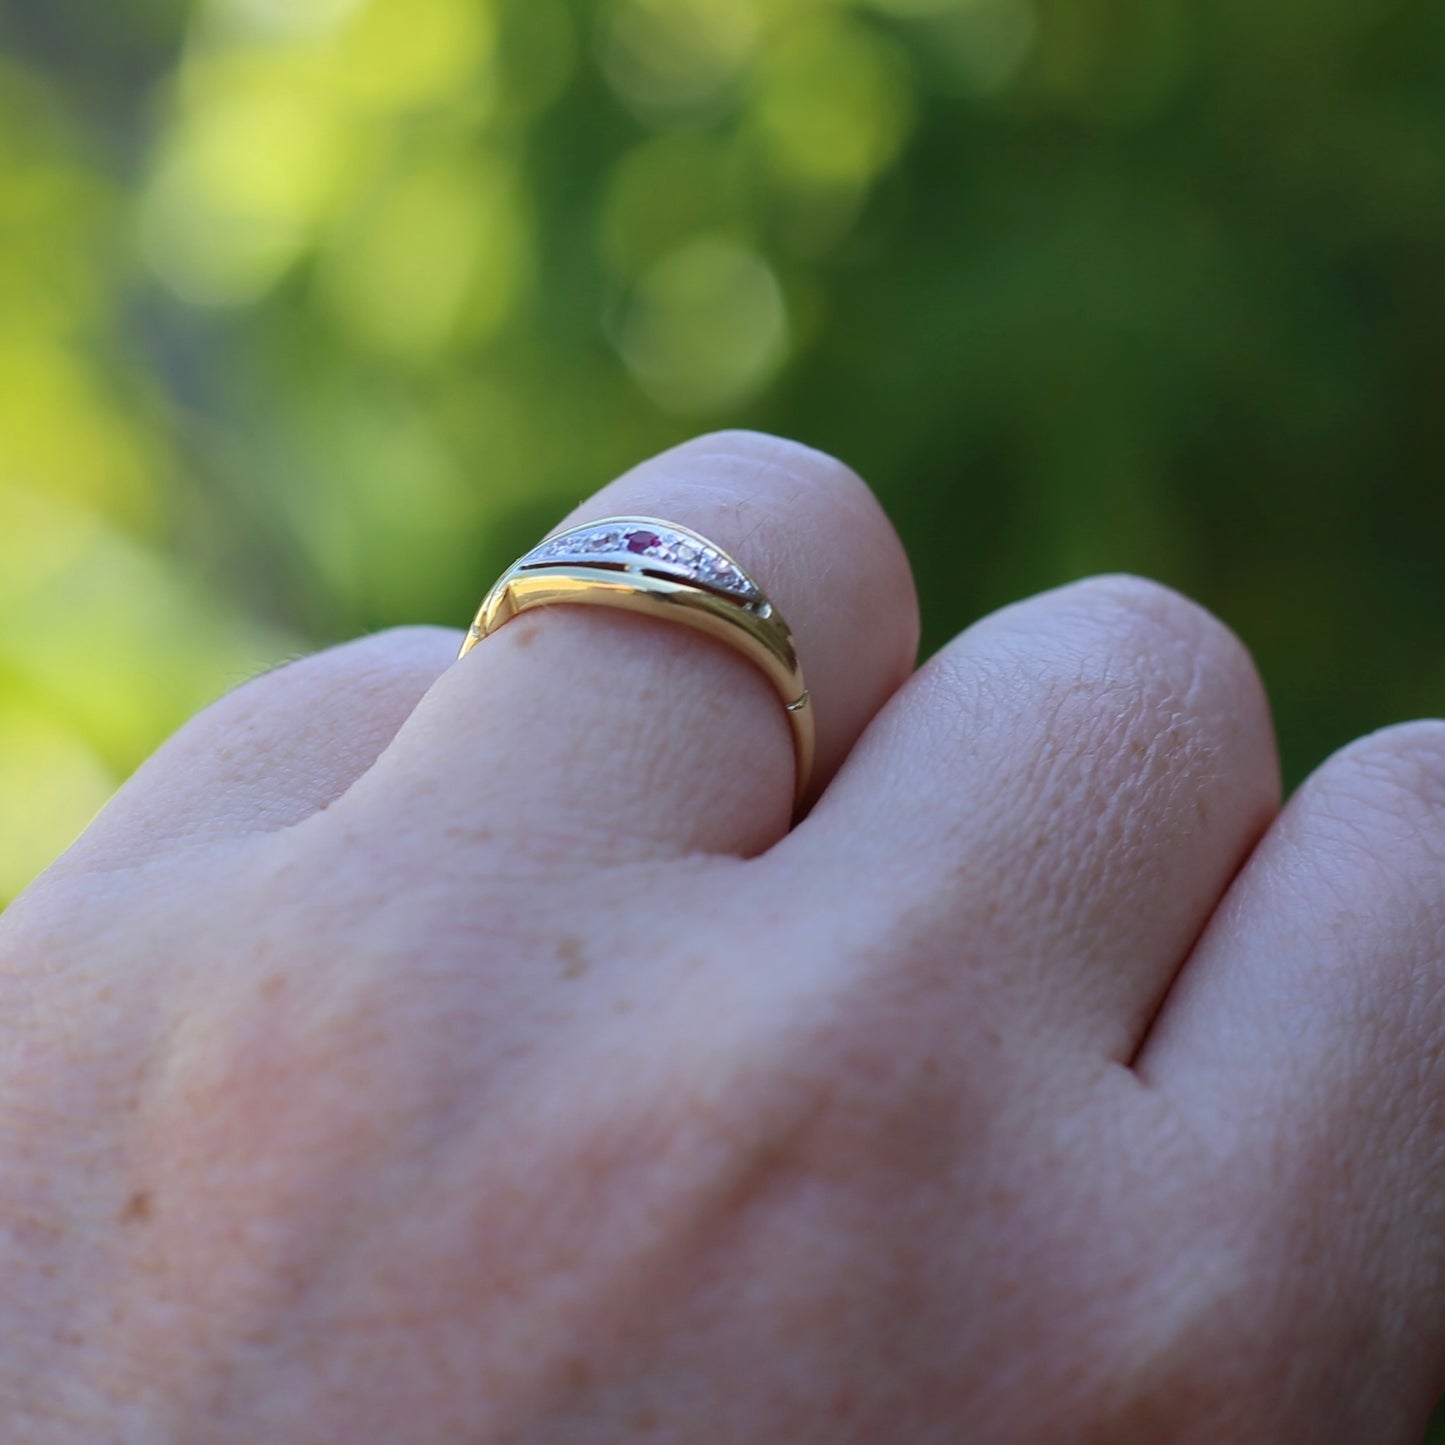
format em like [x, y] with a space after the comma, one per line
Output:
[666, 571]
[647, 546]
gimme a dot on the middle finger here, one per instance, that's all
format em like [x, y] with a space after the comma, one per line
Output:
[1051, 809]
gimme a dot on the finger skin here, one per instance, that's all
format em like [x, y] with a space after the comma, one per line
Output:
[1307, 1035]
[307, 1141]
[1052, 807]
[274, 751]
[676, 741]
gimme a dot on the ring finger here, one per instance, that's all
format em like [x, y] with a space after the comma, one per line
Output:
[603, 734]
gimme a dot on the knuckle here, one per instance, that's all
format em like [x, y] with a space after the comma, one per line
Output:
[822, 521]
[1115, 713]
[406, 641]
[1398, 767]
[1158, 622]
[65, 916]
[1168, 682]
[395, 652]
[371, 666]
[771, 450]
[1121, 678]
[815, 475]
[1380, 803]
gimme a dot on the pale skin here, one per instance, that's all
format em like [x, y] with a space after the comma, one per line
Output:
[419, 1052]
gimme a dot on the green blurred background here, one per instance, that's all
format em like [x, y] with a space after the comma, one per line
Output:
[314, 312]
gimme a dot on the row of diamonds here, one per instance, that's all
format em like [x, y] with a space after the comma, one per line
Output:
[674, 550]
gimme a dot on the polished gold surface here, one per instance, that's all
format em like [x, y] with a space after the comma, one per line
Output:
[751, 625]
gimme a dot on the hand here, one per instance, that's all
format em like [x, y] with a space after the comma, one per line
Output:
[425, 1053]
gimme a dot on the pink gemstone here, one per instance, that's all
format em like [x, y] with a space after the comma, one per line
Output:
[641, 541]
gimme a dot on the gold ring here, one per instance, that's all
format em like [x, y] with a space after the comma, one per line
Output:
[647, 565]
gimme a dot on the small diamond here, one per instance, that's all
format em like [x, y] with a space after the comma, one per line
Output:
[674, 551]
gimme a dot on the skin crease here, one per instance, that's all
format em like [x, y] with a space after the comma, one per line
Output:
[433, 1053]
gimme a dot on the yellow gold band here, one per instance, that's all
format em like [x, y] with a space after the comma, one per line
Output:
[646, 565]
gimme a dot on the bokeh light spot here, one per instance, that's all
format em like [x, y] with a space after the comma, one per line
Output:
[235, 198]
[985, 42]
[284, 18]
[706, 328]
[667, 190]
[671, 54]
[64, 433]
[155, 647]
[833, 103]
[438, 250]
[404, 53]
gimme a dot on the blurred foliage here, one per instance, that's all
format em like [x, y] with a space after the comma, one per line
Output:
[314, 312]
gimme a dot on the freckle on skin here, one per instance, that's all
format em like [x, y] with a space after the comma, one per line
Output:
[139, 1208]
[574, 963]
[578, 1375]
[273, 984]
